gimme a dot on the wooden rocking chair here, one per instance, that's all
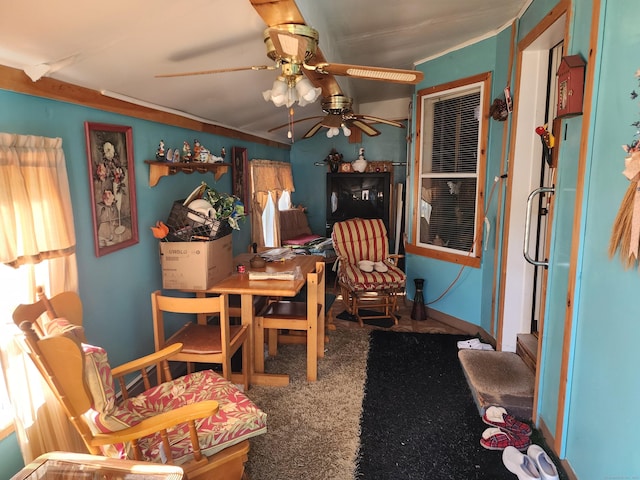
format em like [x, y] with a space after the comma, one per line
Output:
[204, 424]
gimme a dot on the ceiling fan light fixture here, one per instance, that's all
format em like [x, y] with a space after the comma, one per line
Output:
[287, 90]
[346, 130]
[307, 93]
[278, 93]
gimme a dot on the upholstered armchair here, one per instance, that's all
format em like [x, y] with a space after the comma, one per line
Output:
[368, 275]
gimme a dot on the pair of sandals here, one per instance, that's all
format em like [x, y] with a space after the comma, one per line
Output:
[369, 266]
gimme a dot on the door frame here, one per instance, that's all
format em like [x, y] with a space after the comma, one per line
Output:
[516, 278]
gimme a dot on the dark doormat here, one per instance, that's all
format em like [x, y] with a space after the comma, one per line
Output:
[387, 322]
[419, 419]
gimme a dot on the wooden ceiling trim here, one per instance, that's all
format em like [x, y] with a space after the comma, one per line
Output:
[17, 81]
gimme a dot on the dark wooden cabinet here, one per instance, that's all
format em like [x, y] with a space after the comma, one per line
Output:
[358, 195]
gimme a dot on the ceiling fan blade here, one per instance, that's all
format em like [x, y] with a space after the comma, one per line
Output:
[369, 118]
[277, 12]
[365, 127]
[313, 130]
[219, 70]
[295, 121]
[370, 73]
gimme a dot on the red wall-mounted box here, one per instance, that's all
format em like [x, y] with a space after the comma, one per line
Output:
[570, 86]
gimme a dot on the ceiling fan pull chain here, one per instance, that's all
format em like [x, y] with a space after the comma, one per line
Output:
[290, 132]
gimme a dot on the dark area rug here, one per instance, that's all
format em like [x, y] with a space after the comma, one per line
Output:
[374, 322]
[419, 419]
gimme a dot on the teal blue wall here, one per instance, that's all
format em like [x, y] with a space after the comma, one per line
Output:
[466, 300]
[604, 375]
[311, 180]
[115, 289]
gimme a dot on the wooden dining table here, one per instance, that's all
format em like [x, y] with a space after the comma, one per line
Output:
[240, 284]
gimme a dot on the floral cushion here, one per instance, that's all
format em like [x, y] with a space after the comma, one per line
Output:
[237, 419]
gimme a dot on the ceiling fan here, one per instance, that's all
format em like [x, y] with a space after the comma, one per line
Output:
[339, 115]
[293, 46]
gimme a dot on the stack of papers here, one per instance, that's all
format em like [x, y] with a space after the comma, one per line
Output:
[287, 275]
[277, 254]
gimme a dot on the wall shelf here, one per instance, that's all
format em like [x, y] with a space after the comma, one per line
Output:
[157, 170]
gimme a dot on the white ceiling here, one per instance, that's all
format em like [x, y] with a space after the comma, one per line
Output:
[118, 46]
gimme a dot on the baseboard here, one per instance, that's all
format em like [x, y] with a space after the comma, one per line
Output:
[462, 325]
[549, 438]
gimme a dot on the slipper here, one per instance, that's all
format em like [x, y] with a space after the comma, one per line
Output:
[365, 265]
[543, 463]
[472, 343]
[520, 464]
[496, 439]
[498, 417]
[380, 267]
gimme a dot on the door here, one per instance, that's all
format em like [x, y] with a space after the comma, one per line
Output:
[537, 226]
[523, 284]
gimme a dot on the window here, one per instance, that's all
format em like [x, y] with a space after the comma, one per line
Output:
[15, 284]
[449, 166]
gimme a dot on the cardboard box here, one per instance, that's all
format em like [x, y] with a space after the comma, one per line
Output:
[195, 265]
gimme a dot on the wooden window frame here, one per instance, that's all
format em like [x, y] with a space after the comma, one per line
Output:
[473, 256]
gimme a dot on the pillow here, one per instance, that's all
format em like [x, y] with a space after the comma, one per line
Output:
[301, 239]
[62, 326]
[97, 376]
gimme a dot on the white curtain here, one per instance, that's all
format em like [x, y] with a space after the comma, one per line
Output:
[37, 247]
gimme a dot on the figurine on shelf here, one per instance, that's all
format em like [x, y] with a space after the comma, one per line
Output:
[360, 165]
[223, 153]
[334, 159]
[160, 151]
[186, 152]
[197, 148]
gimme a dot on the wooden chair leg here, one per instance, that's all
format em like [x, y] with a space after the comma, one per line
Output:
[258, 347]
[245, 365]
[320, 336]
[273, 341]
[312, 353]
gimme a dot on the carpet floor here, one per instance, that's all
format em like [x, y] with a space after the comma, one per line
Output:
[413, 418]
[312, 428]
[419, 419]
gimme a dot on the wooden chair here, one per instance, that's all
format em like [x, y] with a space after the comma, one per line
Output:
[202, 342]
[307, 317]
[357, 240]
[200, 421]
[61, 311]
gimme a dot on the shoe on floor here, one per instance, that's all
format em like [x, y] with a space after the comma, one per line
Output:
[471, 343]
[520, 464]
[498, 417]
[496, 439]
[543, 463]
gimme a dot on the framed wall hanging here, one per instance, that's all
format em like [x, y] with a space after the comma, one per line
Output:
[111, 186]
[240, 166]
